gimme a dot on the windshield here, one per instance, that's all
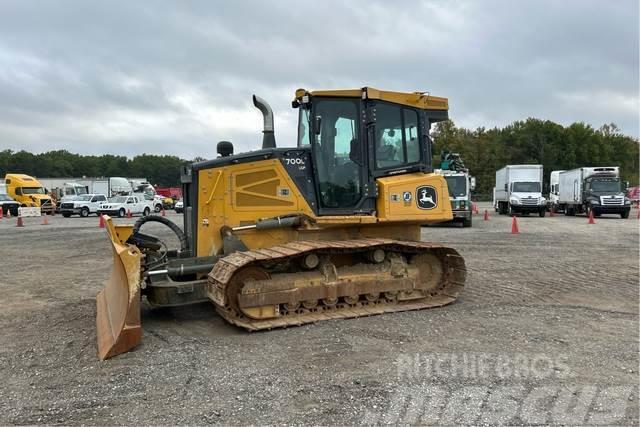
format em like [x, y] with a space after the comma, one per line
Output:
[119, 199]
[84, 198]
[526, 187]
[32, 190]
[608, 186]
[457, 185]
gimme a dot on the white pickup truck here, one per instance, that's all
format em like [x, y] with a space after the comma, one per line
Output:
[121, 205]
[82, 205]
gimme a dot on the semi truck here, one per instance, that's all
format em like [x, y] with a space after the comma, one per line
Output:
[593, 189]
[29, 192]
[460, 184]
[554, 183]
[518, 190]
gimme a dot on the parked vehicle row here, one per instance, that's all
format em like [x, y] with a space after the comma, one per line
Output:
[588, 190]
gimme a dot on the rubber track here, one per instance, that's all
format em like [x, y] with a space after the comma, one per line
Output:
[453, 281]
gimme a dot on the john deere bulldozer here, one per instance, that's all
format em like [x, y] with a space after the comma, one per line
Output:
[326, 229]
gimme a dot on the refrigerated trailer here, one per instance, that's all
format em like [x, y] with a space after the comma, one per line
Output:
[596, 189]
[519, 190]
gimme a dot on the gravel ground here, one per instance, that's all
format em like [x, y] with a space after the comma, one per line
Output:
[546, 332]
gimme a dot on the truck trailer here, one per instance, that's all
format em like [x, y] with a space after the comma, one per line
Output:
[519, 190]
[593, 189]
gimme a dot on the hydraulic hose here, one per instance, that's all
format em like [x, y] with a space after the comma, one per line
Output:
[184, 244]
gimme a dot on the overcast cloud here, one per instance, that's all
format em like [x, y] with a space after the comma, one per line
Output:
[176, 77]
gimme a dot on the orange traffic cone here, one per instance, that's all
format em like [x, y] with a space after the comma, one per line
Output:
[129, 215]
[45, 220]
[19, 223]
[163, 213]
[101, 223]
[591, 220]
[486, 215]
[1, 212]
[514, 226]
[552, 212]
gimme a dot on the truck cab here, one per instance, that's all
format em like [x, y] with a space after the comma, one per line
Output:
[27, 191]
[460, 185]
[554, 191]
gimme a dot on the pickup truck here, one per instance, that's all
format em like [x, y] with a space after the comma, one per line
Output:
[82, 205]
[120, 205]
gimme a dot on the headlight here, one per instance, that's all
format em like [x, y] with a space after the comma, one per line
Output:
[594, 202]
[514, 201]
[542, 200]
[627, 201]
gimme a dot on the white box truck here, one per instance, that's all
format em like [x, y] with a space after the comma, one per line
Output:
[554, 184]
[519, 190]
[596, 189]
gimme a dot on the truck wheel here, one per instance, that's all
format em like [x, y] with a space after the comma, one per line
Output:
[84, 212]
[146, 212]
[542, 213]
[157, 208]
[66, 215]
[510, 210]
[624, 215]
[121, 213]
[467, 221]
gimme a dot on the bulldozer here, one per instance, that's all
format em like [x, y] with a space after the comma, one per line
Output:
[329, 228]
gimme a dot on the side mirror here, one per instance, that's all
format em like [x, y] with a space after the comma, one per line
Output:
[317, 125]
[626, 185]
[506, 188]
[472, 182]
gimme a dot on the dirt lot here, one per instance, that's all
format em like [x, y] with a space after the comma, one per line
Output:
[546, 332]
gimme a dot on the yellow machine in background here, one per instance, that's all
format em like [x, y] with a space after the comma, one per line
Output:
[28, 191]
[327, 229]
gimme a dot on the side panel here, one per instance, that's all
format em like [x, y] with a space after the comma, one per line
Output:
[240, 194]
[419, 197]
[568, 193]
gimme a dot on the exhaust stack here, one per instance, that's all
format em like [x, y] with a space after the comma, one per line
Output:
[268, 138]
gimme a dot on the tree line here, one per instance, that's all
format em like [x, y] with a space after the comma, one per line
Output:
[483, 150]
[157, 169]
[536, 141]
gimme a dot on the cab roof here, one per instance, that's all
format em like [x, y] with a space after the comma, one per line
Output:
[421, 100]
[19, 177]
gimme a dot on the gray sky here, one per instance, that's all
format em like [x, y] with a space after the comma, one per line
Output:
[176, 77]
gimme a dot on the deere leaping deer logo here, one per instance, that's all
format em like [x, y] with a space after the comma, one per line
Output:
[426, 197]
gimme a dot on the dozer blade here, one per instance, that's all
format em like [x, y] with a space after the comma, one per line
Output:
[118, 304]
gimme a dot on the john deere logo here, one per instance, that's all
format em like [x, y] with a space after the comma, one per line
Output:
[426, 197]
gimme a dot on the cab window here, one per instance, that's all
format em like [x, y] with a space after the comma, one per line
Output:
[397, 142]
[336, 147]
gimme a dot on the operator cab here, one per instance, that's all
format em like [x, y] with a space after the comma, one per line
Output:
[356, 136]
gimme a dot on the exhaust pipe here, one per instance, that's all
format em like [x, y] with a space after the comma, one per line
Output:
[268, 139]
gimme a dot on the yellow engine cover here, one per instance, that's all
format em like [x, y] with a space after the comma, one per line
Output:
[422, 197]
